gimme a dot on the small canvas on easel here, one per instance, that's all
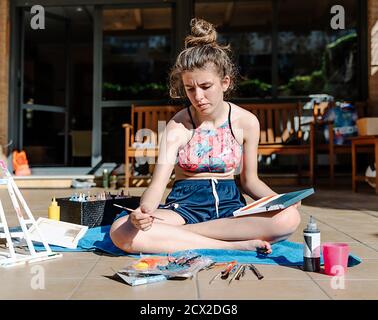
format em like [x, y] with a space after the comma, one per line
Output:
[25, 219]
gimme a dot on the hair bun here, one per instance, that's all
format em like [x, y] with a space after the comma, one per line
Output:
[202, 33]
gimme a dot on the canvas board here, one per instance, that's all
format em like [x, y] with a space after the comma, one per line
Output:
[272, 203]
[58, 233]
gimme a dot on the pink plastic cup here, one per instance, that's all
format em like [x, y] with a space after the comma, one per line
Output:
[335, 256]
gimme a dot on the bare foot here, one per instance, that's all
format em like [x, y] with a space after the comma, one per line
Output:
[254, 245]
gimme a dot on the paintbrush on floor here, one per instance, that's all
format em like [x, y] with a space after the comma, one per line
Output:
[129, 209]
[256, 271]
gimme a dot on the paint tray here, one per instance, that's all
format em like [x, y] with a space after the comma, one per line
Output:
[182, 267]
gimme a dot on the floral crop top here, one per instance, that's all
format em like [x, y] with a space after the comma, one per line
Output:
[211, 150]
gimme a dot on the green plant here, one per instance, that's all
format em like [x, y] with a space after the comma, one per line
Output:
[304, 85]
[333, 75]
[253, 88]
[137, 91]
[339, 66]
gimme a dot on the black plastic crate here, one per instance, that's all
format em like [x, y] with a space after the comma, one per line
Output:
[94, 213]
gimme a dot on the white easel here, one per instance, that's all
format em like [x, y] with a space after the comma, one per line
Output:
[12, 258]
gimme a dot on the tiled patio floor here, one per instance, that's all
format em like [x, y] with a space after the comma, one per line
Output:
[343, 216]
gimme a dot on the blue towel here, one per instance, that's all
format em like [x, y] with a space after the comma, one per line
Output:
[284, 253]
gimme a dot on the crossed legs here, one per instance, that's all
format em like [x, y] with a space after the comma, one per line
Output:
[243, 233]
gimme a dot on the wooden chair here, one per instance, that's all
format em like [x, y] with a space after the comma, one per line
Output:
[330, 148]
[281, 131]
[144, 129]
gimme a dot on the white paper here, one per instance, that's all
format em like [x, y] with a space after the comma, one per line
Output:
[258, 208]
[58, 233]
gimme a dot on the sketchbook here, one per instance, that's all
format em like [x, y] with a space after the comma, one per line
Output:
[276, 202]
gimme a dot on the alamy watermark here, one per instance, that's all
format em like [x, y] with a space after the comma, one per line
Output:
[38, 17]
[338, 281]
[338, 19]
[37, 281]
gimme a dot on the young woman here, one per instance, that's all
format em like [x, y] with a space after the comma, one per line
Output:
[207, 144]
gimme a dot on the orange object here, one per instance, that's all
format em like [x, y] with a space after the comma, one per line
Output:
[228, 269]
[151, 262]
[20, 163]
[154, 261]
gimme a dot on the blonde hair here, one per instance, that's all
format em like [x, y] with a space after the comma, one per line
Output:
[201, 50]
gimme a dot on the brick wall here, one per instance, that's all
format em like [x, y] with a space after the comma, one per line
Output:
[4, 58]
[373, 56]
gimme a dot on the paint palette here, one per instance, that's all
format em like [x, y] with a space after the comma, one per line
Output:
[185, 266]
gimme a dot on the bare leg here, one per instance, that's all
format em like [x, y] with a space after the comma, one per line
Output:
[166, 237]
[272, 227]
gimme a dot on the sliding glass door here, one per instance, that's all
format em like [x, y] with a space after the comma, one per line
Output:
[134, 50]
[56, 85]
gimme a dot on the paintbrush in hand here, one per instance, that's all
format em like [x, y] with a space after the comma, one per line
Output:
[129, 209]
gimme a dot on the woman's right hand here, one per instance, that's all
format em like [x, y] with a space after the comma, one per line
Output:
[141, 218]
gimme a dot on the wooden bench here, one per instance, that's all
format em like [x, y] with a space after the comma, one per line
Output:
[281, 131]
[144, 129]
